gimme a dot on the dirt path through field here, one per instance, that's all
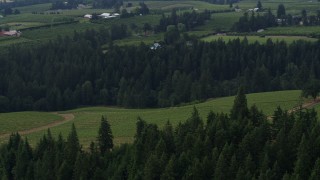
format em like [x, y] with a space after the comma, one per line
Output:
[66, 118]
[306, 105]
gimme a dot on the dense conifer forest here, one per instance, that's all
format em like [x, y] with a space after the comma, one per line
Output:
[88, 69]
[75, 71]
[243, 145]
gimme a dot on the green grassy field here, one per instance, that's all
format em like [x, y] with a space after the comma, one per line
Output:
[136, 40]
[17, 121]
[35, 8]
[5, 41]
[169, 5]
[295, 30]
[219, 21]
[123, 120]
[253, 39]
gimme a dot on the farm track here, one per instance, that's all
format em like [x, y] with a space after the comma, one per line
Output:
[66, 118]
[305, 105]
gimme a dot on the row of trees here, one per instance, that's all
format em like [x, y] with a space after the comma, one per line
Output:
[107, 3]
[69, 4]
[70, 72]
[142, 10]
[255, 21]
[8, 11]
[187, 20]
[242, 145]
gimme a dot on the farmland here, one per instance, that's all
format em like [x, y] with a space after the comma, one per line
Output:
[252, 39]
[38, 23]
[123, 121]
[146, 90]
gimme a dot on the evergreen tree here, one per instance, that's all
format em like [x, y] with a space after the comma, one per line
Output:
[315, 174]
[312, 88]
[281, 11]
[71, 151]
[105, 137]
[239, 109]
[259, 5]
[221, 169]
[24, 158]
[169, 172]
[303, 164]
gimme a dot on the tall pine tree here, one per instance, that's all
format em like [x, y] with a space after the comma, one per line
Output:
[105, 137]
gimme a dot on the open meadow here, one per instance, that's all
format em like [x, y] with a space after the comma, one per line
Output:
[87, 120]
[18, 121]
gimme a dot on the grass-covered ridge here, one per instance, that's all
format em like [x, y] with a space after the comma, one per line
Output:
[123, 121]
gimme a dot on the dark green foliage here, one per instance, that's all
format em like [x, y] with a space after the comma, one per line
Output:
[105, 137]
[312, 88]
[315, 174]
[188, 20]
[73, 71]
[259, 5]
[252, 22]
[245, 147]
[23, 168]
[143, 9]
[72, 146]
[281, 11]
[106, 3]
[240, 106]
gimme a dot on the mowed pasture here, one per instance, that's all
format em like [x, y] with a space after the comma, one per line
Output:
[253, 39]
[18, 121]
[87, 120]
[169, 5]
[295, 30]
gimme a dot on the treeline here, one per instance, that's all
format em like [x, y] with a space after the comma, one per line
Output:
[242, 145]
[69, 4]
[107, 3]
[221, 1]
[75, 71]
[251, 22]
[254, 21]
[186, 21]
